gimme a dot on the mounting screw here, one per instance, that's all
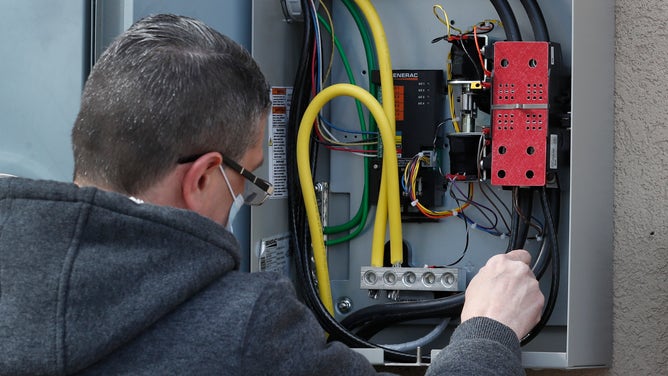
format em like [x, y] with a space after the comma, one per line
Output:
[344, 305]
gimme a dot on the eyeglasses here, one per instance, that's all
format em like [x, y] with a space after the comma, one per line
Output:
[256, 190]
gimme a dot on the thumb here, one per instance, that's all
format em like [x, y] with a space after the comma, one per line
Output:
[519, 255]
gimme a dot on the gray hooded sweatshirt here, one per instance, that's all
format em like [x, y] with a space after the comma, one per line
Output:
[92, 282]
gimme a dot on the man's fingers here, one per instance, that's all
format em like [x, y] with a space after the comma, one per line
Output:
[520, 255]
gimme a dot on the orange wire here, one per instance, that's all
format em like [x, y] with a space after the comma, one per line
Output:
[477, 46]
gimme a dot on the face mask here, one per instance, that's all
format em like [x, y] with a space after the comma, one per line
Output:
[237, 203]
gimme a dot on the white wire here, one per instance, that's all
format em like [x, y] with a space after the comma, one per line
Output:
[318, 43]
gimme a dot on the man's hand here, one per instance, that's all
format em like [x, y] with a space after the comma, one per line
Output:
[506, 290]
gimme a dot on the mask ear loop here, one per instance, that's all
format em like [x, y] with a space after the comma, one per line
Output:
[237, 202]
[229, 186]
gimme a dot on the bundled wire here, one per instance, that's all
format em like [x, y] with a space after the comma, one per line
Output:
[367, 147]
[484, 75]
[410, 187]
[491, 202]
[493, 222]
[297, 213]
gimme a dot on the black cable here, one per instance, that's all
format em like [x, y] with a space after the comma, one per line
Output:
[543, 258]
[508, 19]
[514, 221]
[537, 20]
[523, 209]
[554, 283]
[522, 200]
[300, 97]
[370, 320]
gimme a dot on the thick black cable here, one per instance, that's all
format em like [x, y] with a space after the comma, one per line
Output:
[537, 20]
[370, 320]
[554, 283]
[300, 97]
[508, 19]
[522, 204]
[514, 221]
[544, 257]
[524, 207]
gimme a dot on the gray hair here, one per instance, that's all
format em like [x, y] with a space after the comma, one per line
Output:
[169, 87]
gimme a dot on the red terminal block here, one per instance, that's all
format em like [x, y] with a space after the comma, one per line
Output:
[520, 111]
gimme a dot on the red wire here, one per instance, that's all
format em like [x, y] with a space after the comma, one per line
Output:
[339, 148]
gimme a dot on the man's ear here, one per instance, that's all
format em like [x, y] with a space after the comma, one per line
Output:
[198, 185]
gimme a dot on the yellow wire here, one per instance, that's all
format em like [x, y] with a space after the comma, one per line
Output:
[387, 92]
[306, 179]
[331, 25]
[445, 21]
[451, 95]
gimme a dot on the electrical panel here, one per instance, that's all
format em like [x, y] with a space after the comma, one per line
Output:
[419, 104]
[409, 159]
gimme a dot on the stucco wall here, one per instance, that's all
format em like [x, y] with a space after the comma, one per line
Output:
[640, 328]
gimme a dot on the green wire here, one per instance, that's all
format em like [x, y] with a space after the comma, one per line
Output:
[373, 89]
[346, 64]
[368, 50]
[360, 218]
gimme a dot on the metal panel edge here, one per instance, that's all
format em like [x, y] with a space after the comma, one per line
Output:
[589, 341]
[540, 360]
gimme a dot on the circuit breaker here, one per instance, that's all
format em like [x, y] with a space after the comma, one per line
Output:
[500, 132]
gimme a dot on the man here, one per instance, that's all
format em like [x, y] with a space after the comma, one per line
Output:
[131, 271]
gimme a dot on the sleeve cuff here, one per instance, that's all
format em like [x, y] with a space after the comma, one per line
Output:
[486, 328]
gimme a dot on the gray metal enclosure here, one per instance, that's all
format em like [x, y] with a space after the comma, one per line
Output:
[579, 333]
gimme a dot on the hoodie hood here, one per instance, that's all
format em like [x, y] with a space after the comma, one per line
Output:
[84, 271]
